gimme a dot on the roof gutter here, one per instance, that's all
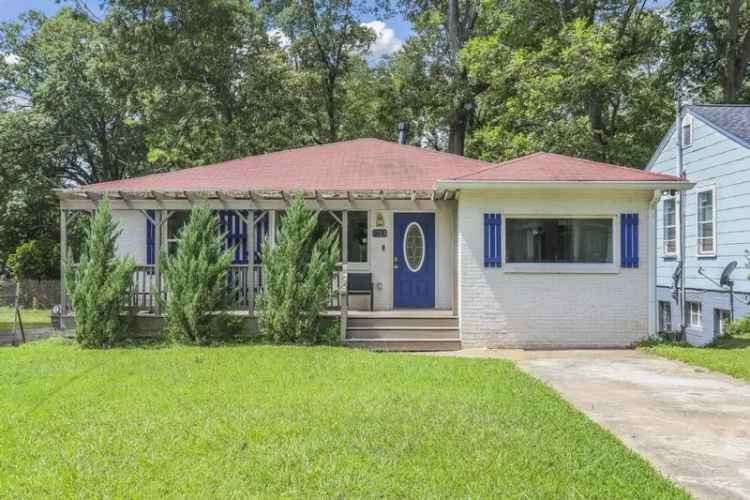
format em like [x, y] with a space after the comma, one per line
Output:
[492, 185]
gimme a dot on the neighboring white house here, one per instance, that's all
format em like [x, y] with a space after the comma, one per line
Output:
[542, 251]
[716, 156]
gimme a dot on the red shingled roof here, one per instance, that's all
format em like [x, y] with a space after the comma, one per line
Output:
[366, 164]
[555, 167]
[371, 164]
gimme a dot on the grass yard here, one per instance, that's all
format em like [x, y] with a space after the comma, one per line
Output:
[31, 318]
[265, 421]
[726, 355]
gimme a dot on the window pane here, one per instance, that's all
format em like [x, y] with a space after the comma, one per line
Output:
[705, 245]
[706, 230]
[357, 237]
[559, 240]
[705, 206]
[686, 135]
[326, 222]
[175, 223]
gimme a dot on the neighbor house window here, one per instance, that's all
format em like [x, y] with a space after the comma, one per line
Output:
[357, 237]
[687, 132]
[669, 218]
[559, 240]
[695, 313]
[722, 318]
[706, 223]
[665, 316]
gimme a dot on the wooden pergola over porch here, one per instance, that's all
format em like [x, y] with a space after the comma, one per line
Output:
[159, 205]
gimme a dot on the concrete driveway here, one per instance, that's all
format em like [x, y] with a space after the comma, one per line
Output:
[692, 424]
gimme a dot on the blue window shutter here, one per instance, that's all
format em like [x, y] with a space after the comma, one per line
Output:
[629, 240]
[492, 240]
[150, 238]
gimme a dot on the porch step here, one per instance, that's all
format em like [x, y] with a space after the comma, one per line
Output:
[407, 344]
[381, 321]
[400, 332]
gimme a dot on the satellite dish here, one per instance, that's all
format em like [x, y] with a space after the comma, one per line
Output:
[726, 273]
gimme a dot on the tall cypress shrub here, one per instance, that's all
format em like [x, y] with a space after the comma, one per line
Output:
[195, 278]
[100, 292]
[297, 274]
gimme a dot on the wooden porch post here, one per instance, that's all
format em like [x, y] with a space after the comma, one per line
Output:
[343, 285]
[454, 306]
[158, 215]
[250, 246]
[63, 257]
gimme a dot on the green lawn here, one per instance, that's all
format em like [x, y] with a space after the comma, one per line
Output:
[726, 355]
[265, 421]
[31, 318]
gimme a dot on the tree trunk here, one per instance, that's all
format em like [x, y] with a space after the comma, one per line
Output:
[457, 132]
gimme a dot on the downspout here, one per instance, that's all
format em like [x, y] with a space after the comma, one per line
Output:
[681, 232]
[652, 262]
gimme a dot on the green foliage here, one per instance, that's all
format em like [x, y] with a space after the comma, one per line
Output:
[100, 291]
[297, 274]
[36, 259]
[318, 422]
[739, 327]
[569, 80]
[195, 279]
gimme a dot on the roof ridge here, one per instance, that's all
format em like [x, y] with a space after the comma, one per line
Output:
[502, 164]
[613, 165]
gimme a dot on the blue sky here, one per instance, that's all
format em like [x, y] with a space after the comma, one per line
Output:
[391, 33]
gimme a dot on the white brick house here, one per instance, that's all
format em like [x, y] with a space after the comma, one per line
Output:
[445, 251]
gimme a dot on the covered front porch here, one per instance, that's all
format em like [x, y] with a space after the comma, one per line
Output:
[397, 248]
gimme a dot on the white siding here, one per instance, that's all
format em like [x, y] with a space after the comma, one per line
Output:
[504, 309]
[711, 160]
[132, 240]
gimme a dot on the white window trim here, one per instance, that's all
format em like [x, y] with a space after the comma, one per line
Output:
[677, 228]
[698, 221]
[687, 120]
[563, 268]
[690, 315]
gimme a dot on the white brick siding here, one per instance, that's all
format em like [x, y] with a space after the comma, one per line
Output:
[504, 309]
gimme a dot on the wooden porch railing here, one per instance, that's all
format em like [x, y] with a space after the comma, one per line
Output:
[144, 283]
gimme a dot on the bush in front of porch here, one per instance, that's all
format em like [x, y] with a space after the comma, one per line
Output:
[99, 288]
[195, 278]
[297, 272]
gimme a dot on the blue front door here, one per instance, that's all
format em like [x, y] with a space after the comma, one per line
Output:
[414, 260]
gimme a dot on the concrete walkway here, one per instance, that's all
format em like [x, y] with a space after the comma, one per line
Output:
[692, 424]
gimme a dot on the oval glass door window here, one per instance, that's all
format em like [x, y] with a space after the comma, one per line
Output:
[414, 247]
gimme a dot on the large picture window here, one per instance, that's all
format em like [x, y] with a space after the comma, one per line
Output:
[669, 220]
[706, 225]
[575, 241]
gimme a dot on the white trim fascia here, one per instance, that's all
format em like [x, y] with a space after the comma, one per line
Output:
[648, 185]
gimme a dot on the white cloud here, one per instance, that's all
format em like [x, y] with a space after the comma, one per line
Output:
[386, 42]
[280, 37]
[11, 59]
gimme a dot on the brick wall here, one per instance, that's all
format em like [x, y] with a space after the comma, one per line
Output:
[499, 308]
